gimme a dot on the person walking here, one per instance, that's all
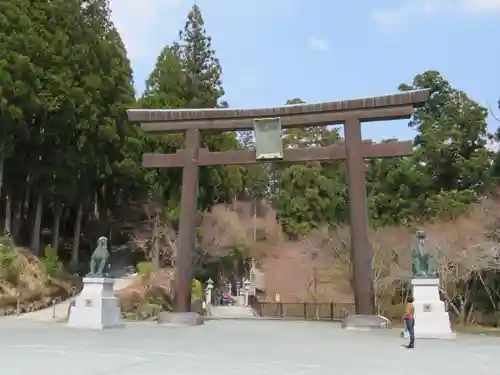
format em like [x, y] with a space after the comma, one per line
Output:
[409, 319]
[216, 297]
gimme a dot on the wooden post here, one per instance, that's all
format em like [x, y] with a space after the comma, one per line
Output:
[187, 222]
[361, 253]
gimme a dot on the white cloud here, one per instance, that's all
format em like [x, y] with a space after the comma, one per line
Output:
[390, 19]
[406, 11]
[493, 146]
[145, 24]
[318, 44]
[481, 5]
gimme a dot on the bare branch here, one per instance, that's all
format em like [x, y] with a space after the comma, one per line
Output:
[491, 112]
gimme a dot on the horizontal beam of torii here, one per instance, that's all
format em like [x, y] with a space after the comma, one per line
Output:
[354, 150]
[290, 155]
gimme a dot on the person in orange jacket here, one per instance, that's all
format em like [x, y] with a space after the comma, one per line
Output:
[409, 319]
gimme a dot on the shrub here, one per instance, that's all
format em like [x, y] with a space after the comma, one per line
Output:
[51, 261]
[145, 268]
[7, 252]
[8, 256]
[196, 290]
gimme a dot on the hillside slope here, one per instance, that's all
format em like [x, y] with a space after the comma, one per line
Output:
[26, 284]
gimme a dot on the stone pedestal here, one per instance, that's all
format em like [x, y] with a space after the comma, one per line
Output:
[96, 307]
[365, 322]
[432, 321]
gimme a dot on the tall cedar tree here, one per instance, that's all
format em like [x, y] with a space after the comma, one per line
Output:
[204, 90]
[65, 83]
[200, 64]
[188, 75]
[105, 136]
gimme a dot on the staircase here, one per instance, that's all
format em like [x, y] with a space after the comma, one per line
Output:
[239, 310]
[230, 312]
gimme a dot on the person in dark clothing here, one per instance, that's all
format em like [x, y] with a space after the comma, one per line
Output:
[216, 297]
[409, 319]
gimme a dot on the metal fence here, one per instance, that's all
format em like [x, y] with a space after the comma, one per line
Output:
[303, 310]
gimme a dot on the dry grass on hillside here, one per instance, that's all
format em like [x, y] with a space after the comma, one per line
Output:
[148, 294]
[23, 277]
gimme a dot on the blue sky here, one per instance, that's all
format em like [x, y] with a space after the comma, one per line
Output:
[320, 50]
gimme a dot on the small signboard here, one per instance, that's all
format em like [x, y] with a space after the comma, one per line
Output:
[268, 138]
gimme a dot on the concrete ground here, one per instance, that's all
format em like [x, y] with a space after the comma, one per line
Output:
[232, 347]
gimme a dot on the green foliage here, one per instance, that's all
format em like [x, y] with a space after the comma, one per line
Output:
[187, 74]
[145, 268]
[196, 290]
[450, 167]
[452, 135]
[65, 82]
[307, 199]
[8, 254]
[51, 261]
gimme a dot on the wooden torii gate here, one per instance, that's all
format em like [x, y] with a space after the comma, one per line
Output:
[350, 113]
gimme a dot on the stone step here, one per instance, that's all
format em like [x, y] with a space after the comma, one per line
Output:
[231, 312]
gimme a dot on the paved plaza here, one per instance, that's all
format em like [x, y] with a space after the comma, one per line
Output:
[232, 347]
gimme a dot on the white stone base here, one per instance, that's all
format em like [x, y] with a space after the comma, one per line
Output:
[96, 307]
[432, 321]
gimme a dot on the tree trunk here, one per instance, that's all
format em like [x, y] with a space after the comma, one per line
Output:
[8, 215]
[155, 256]
[463, 314]
[254, 222]
[102, 202]
[2, 162]
[37, 224]
[96, 205]
[16, 224]
[26, 202]
[470, 316]
[56, 225]
[75, 252]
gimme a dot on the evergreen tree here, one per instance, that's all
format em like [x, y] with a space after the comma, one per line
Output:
[200, 64]
[65, 84]
[452, 135]
[188, 75]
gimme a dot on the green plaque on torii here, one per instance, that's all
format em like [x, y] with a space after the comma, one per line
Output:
[268, 138]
